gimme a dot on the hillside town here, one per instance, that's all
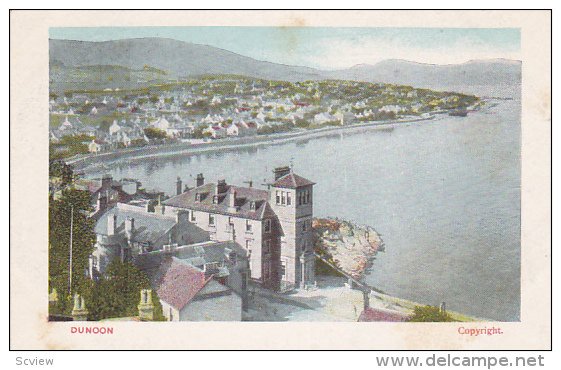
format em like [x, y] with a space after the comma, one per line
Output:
[213, 108]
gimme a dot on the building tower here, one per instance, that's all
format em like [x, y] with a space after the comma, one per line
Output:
[291, 197]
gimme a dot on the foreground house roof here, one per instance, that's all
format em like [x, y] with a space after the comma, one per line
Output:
[375, 314]
[180, 282]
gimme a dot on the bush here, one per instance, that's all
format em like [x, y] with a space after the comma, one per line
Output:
[429, 314]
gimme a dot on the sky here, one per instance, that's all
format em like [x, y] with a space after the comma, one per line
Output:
[328, 47]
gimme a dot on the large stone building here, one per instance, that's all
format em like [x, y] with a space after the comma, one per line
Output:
[274, 226]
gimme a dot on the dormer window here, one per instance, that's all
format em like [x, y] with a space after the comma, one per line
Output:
[267, 226]
[198, 197]
[215, 199]
[252, 205]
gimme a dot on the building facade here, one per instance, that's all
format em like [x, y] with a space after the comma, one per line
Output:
[274, 225]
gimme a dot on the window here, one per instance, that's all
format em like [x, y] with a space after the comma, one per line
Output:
[304, 226]
[248, 226]
[307, 196]
[193, 218]
[288, 198]
[283, 268]
[252, 205]
[231, 221]
[198, 197]
[283, 197]
[211, 219]
[267, 226]
[248, 245]
[299, 198]
[278, 197]
[266, 246]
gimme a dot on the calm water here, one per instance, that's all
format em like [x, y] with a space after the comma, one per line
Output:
[445, 195]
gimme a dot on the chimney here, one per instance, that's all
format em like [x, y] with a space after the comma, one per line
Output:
[200, 180]
[366, 297]
[146, 307]
[232, 201]
[178, 186]
[221, 187]
[111, 224]
[281, 171]
[129, 227]
[101, 202]
[138, 185]
[442, 307]
[182, 217]
[106, 181]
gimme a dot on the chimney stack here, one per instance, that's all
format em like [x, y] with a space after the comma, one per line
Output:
[101, 202]
[442, 307]
[232, 201]
[111, 224]
[178, 186]
[221, 187]
[129, 227]
[200, 180]
[106, 181]
[281, 171]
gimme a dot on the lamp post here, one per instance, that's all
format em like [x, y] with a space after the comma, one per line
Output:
[70, 261]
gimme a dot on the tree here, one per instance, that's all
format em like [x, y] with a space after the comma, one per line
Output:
[63, 171]
[118, 293]
[154, 133]
[73, 205]
[429, 314]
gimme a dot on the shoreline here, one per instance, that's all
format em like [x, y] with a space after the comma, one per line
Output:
[84, 162]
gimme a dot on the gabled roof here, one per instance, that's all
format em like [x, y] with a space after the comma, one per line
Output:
[180, 283]
[244, 198]
[292, 181]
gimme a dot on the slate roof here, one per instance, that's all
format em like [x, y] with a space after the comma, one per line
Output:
[292, 181]
[148, 227]
[244, 197]
[196, 254]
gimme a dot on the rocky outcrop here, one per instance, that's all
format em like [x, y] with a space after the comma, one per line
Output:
[348, 246]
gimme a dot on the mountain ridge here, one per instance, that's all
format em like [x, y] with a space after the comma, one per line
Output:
[186, 59]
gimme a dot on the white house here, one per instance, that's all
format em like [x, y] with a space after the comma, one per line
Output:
[114, 128]
[94, 147]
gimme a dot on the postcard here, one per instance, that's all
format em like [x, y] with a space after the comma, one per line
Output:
[280, 180]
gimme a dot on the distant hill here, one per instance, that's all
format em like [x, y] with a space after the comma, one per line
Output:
[179, 58]
[183, 59]
[476, 72]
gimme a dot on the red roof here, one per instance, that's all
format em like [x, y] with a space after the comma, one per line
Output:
[372, 314]
[292, 181]
[180, 283]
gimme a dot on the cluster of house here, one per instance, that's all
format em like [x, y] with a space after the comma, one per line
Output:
[226, 115]
[202, 247]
